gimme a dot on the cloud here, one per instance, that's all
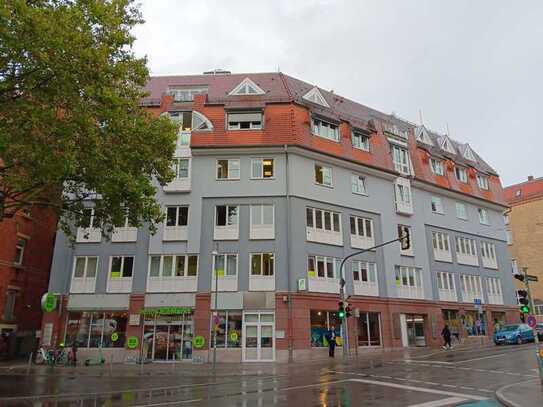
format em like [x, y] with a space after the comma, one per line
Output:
[472, 65]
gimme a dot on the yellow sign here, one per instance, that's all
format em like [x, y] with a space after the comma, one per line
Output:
[234, 336]
[115, 274]
[398, 282]
[220, 273]
[311, 273]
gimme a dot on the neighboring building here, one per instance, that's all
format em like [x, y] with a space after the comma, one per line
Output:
[524, 223]
[276, 182]
[26, 251]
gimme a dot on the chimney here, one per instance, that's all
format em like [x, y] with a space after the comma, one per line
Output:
[530, 177]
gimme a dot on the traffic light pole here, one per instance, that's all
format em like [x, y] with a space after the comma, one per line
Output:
[536, 337]
[343, 296]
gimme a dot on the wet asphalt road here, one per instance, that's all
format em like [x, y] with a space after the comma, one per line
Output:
[430, 378]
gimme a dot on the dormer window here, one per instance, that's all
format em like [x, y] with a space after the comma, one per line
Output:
[245, 121]
[482, 181]
[189, 121]
[421, 134]
[446, 145]
[394, 130]
[468, 153]
[361, 141]
[437, 166]
[400, 157]
[186, 94]
[247, 88]
[325, 129]
[461, 174]
[315, 96]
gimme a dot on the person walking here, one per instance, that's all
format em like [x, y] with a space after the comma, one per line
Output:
[331, 338]
[446, 334]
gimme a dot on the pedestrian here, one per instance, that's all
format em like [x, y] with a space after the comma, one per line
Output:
[74, 353]
[331, 338]
[446, 334]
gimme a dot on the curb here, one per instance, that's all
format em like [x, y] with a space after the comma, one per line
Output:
[504, 400]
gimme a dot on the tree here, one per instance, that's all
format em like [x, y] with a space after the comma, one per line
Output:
[71, 125]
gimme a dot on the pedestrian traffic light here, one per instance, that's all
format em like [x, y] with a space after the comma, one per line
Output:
[405, 237]
[522, 296]
[341, 310]
[348, 310]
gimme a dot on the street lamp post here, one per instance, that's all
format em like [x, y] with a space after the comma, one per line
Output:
[215, 253]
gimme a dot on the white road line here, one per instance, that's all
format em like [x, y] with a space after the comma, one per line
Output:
[431, 383]
[481, 358]
[486, 390]
[169, 403]
[442, 402]
[421, 389]
[449, 385]
[428, 363]
[467, 388]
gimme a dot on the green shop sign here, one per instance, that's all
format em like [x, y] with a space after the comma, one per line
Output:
[49, 302]
[132, 342]
[151, 312]
[198, 342]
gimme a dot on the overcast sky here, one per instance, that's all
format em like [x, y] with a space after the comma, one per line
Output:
[474, 65]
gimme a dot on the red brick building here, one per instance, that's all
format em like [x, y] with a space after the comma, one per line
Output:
[26, 250]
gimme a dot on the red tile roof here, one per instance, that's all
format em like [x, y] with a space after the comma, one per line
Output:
[525, 191]
[288, 119]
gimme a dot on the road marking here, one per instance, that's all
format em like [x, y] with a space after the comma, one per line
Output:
[431, 383]
[421, 389]
[169, 403]
[485, 390]
[428, 363]
[467, 388]
[449, 385]
[442, 402]
[481, 358]
[505, 400]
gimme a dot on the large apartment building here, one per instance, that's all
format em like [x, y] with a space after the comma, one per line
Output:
[276, 182]
[524, 223]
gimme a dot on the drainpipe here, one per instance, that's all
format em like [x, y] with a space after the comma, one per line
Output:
[289, 285]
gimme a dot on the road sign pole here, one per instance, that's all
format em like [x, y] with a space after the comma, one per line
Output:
[538, 348]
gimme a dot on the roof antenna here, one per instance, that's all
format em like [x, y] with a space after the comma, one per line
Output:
[420, 117]
[278, 68]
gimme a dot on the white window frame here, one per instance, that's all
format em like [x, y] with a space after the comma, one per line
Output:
[323, 168]
[261, 255]
[173, 276]
[461, 214]
[358, 184]
[403, 196]
[437, 166]
[121, 284]
[494, 290]
[514, 266]
[461, 174]
[190, 91]
[252, 125]
[441, 245]
[229, 161]
[261, 281]
[317, 128]
[176, 168]
[446, 286]
[411, 274]
[488, 255]
[19, 251]
[466, 251]
[261, 230]
[509, 237]
[360, 141]
[324, 235]
[84, 283]
[230, 230]
[261, 161]
[482, 182]
[437, 205]
[360, 239]
[324, 283]
[228, 282]
[227, 269]
[483, 216]
[472, 288]
[177, 215]
[371, 285]
[401, 159]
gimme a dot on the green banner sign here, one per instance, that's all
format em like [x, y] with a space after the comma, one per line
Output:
[114, 337]
[132, 342]
[198, 342]
[151, 312]
[49, 302]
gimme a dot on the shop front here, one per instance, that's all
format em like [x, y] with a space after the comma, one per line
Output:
[167, 333]
[474, 323]
[413, 328]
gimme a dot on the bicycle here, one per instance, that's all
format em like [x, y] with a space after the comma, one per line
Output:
[52, 356]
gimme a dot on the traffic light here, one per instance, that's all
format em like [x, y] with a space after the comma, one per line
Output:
[341, 310]
[348, 311]
[404, 235]
[519, 277]
[523, 300]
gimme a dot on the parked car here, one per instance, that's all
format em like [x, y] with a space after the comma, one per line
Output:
[539, 330]
[514, 333]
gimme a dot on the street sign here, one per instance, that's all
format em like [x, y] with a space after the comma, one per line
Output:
[302, 284]
[49, 302]
[531, 321]
[198, 342]
[132, 342]
[477, 301]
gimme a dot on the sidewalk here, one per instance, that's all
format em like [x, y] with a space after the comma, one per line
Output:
[523, 394]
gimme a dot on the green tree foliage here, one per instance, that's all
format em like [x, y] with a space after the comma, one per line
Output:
[71, 124]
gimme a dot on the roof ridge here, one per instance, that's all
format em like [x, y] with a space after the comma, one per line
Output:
[524, 182]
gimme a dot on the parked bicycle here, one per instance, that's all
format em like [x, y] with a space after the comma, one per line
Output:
[52, 356]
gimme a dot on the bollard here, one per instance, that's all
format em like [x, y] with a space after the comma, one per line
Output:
[29, 365]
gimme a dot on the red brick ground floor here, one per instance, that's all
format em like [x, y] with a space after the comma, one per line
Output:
[255, 327]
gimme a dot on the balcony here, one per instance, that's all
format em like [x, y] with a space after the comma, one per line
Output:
[448, 295]
[323, 285]
[443, 255]
[172, 284]
[178, 185]
[119, 285]
[366, 288]
[124, 234]
[362, 242]
[261, 232]
[175, 233]
[410, 292]
[261, 283]
[324, 236]
[229, 232]
[83, 285]
[89, 235]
